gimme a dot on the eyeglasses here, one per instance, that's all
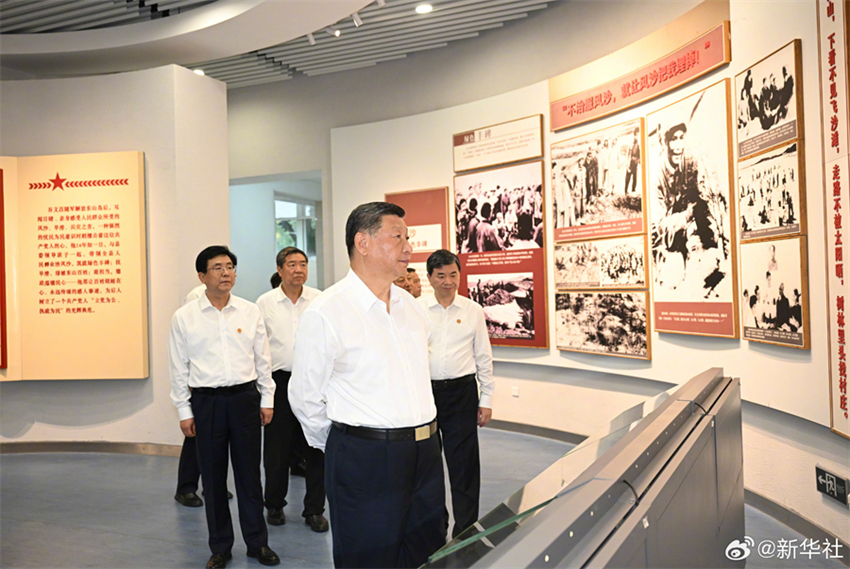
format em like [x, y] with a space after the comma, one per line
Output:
[218, 269]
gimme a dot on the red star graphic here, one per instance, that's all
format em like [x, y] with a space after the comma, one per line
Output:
[57, 182]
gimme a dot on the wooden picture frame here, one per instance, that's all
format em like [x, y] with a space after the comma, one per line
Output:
[500, 144]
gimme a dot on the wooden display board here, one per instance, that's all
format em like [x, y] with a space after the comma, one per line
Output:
[499, 144]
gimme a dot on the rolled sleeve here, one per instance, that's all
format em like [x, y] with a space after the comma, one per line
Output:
[178, 366]
[316, 347]
[263, 365]
[483, 361]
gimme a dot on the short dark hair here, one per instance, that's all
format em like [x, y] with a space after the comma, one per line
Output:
[286, 252]
[275, 280]
[441, 258]
[212, 252]
[485, 210]
[410, 270]
[367, 218]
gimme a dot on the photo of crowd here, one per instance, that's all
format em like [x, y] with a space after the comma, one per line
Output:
[611, 323]
[773, 295]
[766, 99]
[597, 177]
[612, 263]
[691, 233]
[769, 195]
[508, 301]
[500, 209]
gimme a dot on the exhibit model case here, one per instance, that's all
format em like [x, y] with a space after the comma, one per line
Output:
[660, 486]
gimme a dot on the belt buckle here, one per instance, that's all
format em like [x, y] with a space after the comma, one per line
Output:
[423, 433]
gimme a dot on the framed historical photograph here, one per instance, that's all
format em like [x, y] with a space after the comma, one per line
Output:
[692, 216]
[610, 323]
[508, 301]
[498, 144]
[772, 193]
[598, 183]
[775, 292]
[769, 101]
[604, 263]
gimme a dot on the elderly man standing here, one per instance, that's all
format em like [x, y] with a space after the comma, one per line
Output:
[218, 348]
[282, 308]
[360, 388]
[460, 353]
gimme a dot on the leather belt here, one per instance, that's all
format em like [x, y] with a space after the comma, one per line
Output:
[420, 433]
[229, 390]
[450, 383]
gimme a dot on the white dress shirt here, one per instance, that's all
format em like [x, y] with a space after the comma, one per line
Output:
[459, 344]
[281, 318]
[195, 293]
[359, 365]
[212, 348]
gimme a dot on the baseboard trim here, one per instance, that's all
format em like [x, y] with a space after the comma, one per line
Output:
[795, 521]
[544, 432]
[150, 449]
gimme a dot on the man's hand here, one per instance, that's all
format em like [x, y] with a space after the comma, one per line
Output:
[266, 414]
[188, 427]
[484, 415]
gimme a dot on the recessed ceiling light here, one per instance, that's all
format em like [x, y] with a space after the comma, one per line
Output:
[199, 71]
[424, 8]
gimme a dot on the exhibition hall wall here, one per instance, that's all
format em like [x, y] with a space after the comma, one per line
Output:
[179, 121]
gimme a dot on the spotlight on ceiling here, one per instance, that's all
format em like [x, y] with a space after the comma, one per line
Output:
[381, 3]
[311, 39]
[424, 8]
[332, 31]
[357, 21]
[199, 71]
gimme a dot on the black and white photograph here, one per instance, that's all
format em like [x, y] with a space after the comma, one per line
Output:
[500, 209]
[692, 233]
[605, 263]
[508, 301]
[770, 200]
[774, 291]
[768, 107]
[609, 323]
[597, 178]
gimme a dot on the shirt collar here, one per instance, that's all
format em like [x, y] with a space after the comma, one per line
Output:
[205, 302]
[431, 301]
[281, 296]
[365, 296]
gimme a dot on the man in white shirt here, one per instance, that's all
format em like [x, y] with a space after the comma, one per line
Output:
[360, 388]
[281, 309]
[218, 348]
[459, 350]
[415, 285]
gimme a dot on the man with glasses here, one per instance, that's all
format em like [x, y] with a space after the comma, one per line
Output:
[221, 384]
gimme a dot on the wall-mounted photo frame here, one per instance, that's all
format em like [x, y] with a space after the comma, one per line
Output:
[498, 144]
[769, 101]
[603, 263]
[772, 193]
[775, 292]
[598, 183]
[692, 215]
[611, 323]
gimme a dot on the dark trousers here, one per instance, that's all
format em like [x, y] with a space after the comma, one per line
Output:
[188, 471]
[280, 440]
[230, 422]
[631, 175]
[386, 498]
[457, 420]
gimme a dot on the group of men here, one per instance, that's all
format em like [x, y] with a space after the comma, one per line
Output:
[378, 382]
[767, 106]
[499, 219]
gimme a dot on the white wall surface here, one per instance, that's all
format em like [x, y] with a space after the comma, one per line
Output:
[179, 120]
[252, 238]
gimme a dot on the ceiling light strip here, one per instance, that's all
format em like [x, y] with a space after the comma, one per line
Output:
[309, 67]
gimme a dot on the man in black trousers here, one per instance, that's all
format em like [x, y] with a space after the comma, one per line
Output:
[221, 384]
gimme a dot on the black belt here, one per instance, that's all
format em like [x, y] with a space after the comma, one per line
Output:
[419, 433]
[450, 383]
[229, 390]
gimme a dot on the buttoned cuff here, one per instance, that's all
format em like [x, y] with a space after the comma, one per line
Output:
[486, 401]
[267, 401]
[185, 412]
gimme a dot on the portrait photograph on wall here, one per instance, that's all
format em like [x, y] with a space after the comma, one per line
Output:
[775, 292]
[692, 223]
[598, 183]
[508, 301]
[609, 323]
[604, 263]
[769, 104]
[500, 209]
[771, 193]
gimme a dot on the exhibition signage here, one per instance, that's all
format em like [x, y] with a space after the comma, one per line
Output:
[695, 59]
[832, 35]
[82, 278]
[512, 141]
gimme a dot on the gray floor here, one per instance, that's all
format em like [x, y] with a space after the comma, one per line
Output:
[110, 510]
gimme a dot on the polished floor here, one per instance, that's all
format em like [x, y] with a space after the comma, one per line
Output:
[110, 510]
